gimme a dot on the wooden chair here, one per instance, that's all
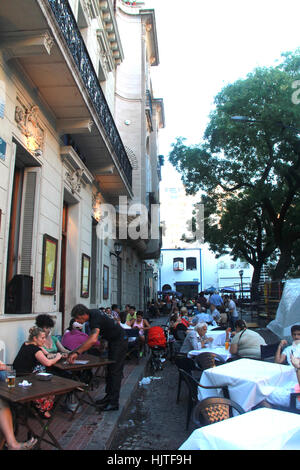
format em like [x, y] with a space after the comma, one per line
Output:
[192, 385]
[214, 409]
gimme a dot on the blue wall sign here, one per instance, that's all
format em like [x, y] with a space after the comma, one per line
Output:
[2, 149]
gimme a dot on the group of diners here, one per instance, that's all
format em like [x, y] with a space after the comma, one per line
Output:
[243, 343]
[88, 331]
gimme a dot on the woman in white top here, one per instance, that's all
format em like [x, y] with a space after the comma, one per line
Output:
[246, 343]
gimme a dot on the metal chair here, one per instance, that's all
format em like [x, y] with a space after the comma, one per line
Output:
[268, 351]
[206, 360]
[193, 385]
[293, 397]
[214, 409]
[133, 346]
[184, 363]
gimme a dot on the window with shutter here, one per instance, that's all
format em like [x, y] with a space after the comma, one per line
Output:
[28, 219]
[178, 264]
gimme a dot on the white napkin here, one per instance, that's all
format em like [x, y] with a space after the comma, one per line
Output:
[25, 384]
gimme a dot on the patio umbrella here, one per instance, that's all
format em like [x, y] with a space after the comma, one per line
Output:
[210, 290]
[228, 289]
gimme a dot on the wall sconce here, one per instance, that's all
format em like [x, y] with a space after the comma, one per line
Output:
[118, 250]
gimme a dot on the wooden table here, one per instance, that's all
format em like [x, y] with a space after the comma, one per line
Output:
[90, 362]
[24, 396]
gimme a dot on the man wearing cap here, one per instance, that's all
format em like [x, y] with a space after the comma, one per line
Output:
[110, 330]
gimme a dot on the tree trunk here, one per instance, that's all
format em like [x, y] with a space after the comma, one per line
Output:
[255, 282]
[283, 264]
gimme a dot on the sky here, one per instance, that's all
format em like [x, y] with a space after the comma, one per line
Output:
[206, 44]
[203, 46]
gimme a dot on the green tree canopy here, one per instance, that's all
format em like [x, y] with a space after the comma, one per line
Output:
[250, 168]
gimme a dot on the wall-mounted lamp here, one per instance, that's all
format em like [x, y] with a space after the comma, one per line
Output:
[118, 250]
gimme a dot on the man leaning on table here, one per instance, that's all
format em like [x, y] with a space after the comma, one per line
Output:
[110, 330]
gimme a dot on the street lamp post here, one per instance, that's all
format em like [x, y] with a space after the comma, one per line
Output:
[241, 273]
[116, 253]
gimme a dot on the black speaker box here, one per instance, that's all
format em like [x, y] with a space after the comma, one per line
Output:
[19, 294]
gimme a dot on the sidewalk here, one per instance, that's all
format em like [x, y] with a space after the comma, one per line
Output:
[90, 430]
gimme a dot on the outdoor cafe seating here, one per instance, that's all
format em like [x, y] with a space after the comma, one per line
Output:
[260, 429]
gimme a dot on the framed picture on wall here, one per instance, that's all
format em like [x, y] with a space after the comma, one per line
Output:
[105, 282]
[49, 265]
[85, 276]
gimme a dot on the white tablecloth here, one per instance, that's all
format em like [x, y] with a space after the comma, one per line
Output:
[217, 335]
[221, 351]
[248, 381]
[261, 429]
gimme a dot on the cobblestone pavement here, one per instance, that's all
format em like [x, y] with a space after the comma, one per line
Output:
[153, 420]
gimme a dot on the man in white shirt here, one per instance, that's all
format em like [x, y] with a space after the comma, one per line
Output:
[232, 311]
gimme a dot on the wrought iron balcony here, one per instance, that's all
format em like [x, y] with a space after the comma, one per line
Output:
[71, 33]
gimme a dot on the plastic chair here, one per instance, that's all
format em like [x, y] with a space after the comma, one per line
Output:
[193, 385]
[2, 352]
[214, 409]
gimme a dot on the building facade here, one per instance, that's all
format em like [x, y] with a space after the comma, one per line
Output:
[67, 159]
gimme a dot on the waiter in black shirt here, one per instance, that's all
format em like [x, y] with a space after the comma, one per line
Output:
[109, 329]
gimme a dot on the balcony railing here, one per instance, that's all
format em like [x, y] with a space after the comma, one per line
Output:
[68, 26]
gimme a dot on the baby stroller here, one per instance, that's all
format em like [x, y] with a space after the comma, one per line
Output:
[157, 343]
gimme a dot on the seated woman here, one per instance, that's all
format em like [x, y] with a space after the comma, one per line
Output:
[52, 344]
[246, 343]
[6, 423]
[74, 336]
[141, 324]
[32, 358]
[196, 339]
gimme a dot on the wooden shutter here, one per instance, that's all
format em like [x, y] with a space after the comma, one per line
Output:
[28, 220]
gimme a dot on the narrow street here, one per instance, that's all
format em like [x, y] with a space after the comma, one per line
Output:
[153, 420]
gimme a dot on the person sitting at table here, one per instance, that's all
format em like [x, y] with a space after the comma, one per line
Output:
[245, 343]
[131, 315]
[142, 326]
[52, 343]
[32, 358]
[210, 317]
[7, 425]
[202, 301]
[74, 336]
[196, 339]
[283, 353]
[280, 395]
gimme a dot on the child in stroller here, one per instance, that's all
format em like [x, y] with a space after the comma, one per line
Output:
[157, 343]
